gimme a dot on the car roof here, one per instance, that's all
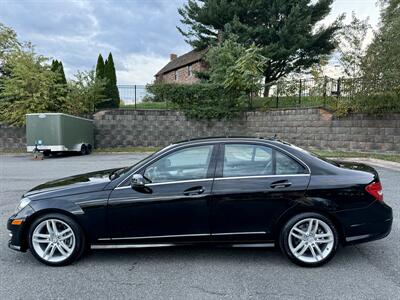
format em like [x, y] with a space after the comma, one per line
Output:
[230, 138]
[222, 139]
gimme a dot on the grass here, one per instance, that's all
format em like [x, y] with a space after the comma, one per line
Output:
[293, 101]
[127, 149]
[147, 105]
[345, 154]
[7, 150]
[258, 103]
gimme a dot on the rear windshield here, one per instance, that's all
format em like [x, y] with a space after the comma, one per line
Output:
[330, 161]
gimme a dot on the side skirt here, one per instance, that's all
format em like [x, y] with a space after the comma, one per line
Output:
[127, 246]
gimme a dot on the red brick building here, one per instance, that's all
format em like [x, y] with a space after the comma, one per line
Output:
[181, 69]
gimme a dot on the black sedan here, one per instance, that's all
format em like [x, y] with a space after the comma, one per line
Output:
[239, 192]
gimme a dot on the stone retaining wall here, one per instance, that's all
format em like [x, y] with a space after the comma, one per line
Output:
[310, 127]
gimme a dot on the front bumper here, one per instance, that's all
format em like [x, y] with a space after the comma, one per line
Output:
[18, 233]
[368, 224]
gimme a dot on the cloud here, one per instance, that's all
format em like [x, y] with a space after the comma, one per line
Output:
[140, 33]
[140, 68]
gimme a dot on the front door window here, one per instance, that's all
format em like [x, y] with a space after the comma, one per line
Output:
[186, 164]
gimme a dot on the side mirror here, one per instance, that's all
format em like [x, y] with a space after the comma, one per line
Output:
[138, 181]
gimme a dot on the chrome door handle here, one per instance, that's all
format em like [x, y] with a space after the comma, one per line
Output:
[280, 184]
[194, 191]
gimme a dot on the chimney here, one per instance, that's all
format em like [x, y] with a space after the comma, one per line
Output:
[172, 56]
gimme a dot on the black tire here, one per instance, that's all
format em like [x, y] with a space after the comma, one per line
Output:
[284, 239]
[79, 239]
[83, 149]
[89, 149]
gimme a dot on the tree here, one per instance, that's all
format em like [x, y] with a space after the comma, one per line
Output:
[58, 68]
[8, 44]
[381, 64]
[220, 58]
[246, 74]
[285, 30]
[8, 41]
[86, 92]
[111, 91]
[100, 67]
[30, 87]
[353, 45]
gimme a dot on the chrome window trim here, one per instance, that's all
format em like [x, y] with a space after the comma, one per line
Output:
[168, 182]
[177, 147]
[261, 176]
[179, 181]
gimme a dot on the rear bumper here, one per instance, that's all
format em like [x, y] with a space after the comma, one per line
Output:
[53, 148]
[368, 224]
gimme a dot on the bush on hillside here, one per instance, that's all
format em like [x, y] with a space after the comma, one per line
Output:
[200, 100]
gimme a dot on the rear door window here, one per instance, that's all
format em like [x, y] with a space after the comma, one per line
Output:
[258, 160]
[247, 160]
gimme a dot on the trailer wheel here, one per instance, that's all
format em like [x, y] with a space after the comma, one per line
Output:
[83, 149]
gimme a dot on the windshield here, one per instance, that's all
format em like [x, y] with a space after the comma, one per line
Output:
[122, 171]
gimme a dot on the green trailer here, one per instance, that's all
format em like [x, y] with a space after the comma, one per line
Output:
[57, 132]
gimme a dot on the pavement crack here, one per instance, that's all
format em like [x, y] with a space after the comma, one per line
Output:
[132, 267]
[204, 290]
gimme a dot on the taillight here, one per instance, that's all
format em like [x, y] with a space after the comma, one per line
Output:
[375, 189]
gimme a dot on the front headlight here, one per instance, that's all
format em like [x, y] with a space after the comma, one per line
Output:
[22, 204]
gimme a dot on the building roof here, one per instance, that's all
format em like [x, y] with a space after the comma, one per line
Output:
[183, 60]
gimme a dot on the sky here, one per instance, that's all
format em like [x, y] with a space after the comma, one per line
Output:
[140, 33]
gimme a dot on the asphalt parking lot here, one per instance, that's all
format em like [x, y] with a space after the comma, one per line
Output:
[367, 271]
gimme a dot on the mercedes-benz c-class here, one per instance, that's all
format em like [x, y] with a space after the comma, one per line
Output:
[238, 192]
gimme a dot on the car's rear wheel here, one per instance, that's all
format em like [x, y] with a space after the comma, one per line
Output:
[89, 149]
[309, 239]
[83, 150]
[56, 239]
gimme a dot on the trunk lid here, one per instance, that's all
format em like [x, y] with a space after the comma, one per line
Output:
[356, 166]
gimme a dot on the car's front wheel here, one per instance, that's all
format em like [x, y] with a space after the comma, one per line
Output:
[309, 239]
[56, 239]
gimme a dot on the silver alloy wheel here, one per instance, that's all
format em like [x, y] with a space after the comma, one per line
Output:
[311, 240]
[53, 240]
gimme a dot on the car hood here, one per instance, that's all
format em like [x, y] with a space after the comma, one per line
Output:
[82, 183]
